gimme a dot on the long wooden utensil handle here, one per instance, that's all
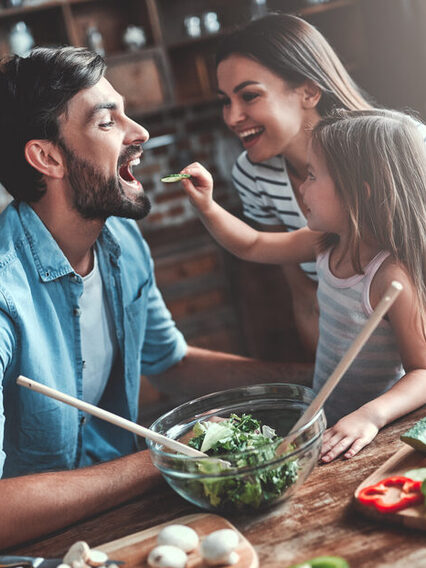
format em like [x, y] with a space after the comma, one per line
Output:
[110, 417]
[358, 343]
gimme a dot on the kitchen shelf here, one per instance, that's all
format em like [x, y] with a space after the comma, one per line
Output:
[172, 69]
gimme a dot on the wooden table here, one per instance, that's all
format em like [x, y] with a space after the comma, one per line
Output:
[319, 520]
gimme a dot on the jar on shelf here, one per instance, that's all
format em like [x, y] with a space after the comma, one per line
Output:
[211, 22]
[20, 39]
[192, 26]
[134, 37]
[94, 39]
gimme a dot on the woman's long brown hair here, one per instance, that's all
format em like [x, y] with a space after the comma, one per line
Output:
[296, 51]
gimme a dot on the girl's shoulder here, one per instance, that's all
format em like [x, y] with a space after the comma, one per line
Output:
[389, 271]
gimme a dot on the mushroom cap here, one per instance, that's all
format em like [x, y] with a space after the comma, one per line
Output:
[181, 536]
[77, 552]
[167, 556]
[218, 545]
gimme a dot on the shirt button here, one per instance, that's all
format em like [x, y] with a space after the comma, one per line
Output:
[83, 420]
[77, 312]
[84, 364]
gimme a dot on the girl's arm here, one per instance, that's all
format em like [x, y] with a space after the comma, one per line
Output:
[356, 430]
[238, 237]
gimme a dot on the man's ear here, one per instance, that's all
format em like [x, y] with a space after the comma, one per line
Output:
[311, 94]
[45, 156]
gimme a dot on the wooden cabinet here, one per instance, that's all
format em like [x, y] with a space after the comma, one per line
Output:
[173, 68]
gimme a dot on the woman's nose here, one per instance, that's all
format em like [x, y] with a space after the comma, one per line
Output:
[234, 114]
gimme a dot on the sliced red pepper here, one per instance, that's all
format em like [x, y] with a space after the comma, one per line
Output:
[411, 494]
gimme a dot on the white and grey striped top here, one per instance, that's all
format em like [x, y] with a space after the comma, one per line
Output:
[267, 196]
[344, 308]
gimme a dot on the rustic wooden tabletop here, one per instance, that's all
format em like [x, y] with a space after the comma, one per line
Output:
[319, 520]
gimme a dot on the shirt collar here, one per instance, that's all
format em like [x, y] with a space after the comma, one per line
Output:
[49, 259]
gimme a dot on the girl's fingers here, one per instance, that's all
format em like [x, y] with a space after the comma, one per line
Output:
[337, 449]
[356, 447]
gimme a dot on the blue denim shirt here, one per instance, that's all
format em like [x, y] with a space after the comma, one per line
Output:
[40, 338]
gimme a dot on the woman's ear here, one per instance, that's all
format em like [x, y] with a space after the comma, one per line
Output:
[45, 156]
[311, 94]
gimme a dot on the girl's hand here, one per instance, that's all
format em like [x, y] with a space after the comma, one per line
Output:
[199, 187]
[350, 434]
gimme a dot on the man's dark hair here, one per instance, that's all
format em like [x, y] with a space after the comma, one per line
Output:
[34, 92]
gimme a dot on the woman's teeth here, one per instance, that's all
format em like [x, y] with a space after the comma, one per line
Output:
[250, 133]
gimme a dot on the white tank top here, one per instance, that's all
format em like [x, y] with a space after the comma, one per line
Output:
[344, 305]
[98, 342]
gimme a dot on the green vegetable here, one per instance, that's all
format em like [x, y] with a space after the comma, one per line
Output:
[323, 562]
[424, 488]
[418, 474]
[174, 177]
[416, 436]
[254, 445]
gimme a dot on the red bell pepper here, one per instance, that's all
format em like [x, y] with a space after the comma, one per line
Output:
[410, 494]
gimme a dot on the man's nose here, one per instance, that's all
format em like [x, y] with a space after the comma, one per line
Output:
[136, 133]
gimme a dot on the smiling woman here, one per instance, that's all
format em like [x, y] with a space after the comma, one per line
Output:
[277, 76]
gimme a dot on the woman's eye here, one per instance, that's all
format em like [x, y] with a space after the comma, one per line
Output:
[224, 101]
[310, 175]
[247, 97]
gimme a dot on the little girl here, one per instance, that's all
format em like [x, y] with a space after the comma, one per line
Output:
[365, 196]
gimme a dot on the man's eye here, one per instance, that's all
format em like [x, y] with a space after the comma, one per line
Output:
[310, 175]
[107, 124]
[247, 97]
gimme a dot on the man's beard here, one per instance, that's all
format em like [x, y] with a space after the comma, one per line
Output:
[98, 197]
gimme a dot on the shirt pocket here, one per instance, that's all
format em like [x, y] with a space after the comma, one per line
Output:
[47, 432]
[136, 314]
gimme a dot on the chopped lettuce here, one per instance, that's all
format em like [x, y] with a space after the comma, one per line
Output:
[255, 444]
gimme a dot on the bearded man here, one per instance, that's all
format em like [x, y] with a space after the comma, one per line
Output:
[79, 307]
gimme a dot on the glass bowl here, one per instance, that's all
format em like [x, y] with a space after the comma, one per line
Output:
[255, 479]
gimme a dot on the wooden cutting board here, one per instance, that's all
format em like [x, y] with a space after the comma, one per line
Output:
[405, 459]
[134, 549]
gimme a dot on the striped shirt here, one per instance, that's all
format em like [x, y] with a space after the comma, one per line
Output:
[267, 196]
[344, 309]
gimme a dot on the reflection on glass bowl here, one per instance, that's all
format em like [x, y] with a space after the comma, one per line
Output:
[254, 479]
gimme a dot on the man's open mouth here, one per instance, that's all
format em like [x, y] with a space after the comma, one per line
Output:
[125, 171]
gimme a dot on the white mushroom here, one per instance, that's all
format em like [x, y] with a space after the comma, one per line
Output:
[96, 557]
[77, 553]
[181, 536]
[167, 556]
[218, 548]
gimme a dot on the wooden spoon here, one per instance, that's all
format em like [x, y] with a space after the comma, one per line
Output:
[358, 343]
[110, 417]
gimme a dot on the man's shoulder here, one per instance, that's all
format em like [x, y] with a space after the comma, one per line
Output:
[11, 234]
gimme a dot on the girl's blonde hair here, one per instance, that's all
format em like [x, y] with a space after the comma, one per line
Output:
[377, 160]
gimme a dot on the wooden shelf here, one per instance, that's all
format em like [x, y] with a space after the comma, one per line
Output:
[179, 70]
[325, 7]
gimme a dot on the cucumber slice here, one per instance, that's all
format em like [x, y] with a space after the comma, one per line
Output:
[172, 178]
[418, 474]
[323, 562]
[416, 436]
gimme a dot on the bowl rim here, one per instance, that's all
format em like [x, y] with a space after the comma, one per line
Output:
[181, 457]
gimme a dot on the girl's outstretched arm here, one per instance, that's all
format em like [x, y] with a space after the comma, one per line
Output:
[238, 237]
[354, 431]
